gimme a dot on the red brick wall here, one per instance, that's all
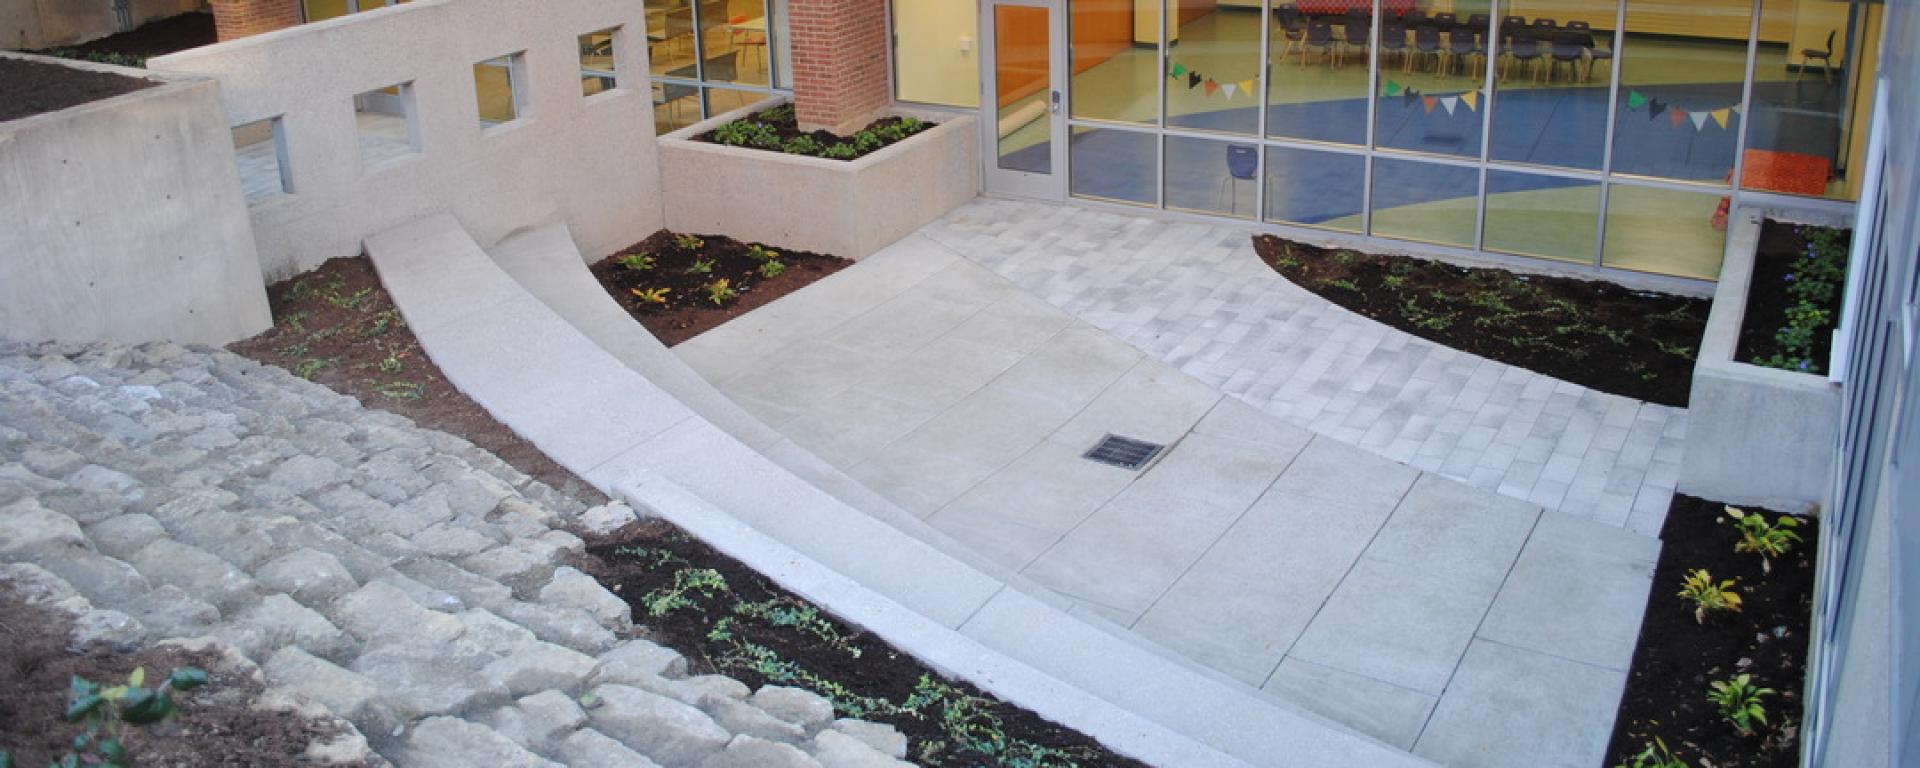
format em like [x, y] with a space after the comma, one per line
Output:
[240, 18]
[839, 62]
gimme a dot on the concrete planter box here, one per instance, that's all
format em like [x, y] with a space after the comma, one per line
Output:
[123, 219]
[848, 209]
[1755, 435]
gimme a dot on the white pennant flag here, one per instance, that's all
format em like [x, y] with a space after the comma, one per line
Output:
[1699, 119]
[1450, 102]
[1230, 87]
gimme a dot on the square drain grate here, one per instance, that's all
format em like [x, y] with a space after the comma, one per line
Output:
[1123, 452]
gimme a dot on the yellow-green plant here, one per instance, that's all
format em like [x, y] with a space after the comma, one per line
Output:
[638, 262]
[762, 253]
[105, 712]
[1769, 540]
[689, 242]
[772, 268]
[651, 295]
[1707, 595]
[701, 267]
[721, 291]
[1739, 702]
[1656, 755]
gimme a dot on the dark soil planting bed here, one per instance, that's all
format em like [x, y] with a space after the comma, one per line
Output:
[155, 38]
[1794, 298]
[29, 88]
[1638, 344]
[682, 285]
[213, 726]
[1679, 658]
[727, 619]
[337, 326]
[775, 130]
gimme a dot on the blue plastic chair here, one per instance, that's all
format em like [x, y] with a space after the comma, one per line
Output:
[1243, 162]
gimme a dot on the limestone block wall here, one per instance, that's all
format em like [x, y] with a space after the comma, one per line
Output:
[123, 219]
[587, 161]
[49, 23]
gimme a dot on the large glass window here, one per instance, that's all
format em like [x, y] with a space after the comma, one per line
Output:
[1114, 165]
[935, 59]
[1798, 138]
[1212, 66]
[1556, 64]
[1311, 93]
[1682, 69]
[1115, 77]
[1430, 97]
[1207, 176]
[705, 53]
[1668, 231]
[1316, 188]
[1428, 202]
[1551, 217]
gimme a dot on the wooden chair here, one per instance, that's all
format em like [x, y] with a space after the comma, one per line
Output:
[1808, 55]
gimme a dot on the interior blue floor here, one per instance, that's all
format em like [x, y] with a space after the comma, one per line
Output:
[1562, 127]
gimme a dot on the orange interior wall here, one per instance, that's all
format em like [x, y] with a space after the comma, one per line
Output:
[1020, 51]
[1100, 30]
[1193, 9]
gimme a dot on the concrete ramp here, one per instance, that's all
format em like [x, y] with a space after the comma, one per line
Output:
[554, 385]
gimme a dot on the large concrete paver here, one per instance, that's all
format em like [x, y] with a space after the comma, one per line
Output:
[1196, 297]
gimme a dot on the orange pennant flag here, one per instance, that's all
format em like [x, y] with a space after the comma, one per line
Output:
[1427, 102]
[1212, 86]
[1470, 97]
[1721, 115]
[1677, 116]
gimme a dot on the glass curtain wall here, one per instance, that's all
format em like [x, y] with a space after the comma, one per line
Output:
[1607, 133]
[711, 56]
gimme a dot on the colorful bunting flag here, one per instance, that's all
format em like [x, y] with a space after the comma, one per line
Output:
[1678, 117]
[1212, 86]
[1179, 70]
[1193, 80]
[1636, 100]
[1699, 119]
[1229, 88]
[1655, 107]
[1450, 102]
[1721, 115]
[1427, 102]
[1393, 88]
[1246, 86]
[1471, 98]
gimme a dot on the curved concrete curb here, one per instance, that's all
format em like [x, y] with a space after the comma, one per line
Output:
[591, 413]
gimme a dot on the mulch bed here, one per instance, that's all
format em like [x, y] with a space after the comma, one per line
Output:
[1639, 344]
[337, 326]
[1677, 657]
[155, 38]
[742, 626]
[29, 88]
[1768, 297]
[215, 726]
[686, 308]
[782, 128]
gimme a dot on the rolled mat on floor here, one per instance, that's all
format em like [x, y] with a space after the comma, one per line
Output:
[1019, 118]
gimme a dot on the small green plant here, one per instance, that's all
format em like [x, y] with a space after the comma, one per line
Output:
[651, 558]
[105, 713]
[759, 252]
[391, 364]
[701, 267]
[746, 133]
[687, 582]
[352, 301]
[786, 612]
[1707, 595]
[1344, 257]
[1288, 263]
[688, 242]
[840, 151]
[312, 366]
[1814, 280]
[650, 295]
[890, 132]
[402, 390]
[721, 291]
[381, 323]
[1395, 282]
[867, 141]
[1769, 540]
[637, 262]
[772, 268]
[1739, 702]
[1656, 755]
[779, 114]
[1344, 284]
[802, 145]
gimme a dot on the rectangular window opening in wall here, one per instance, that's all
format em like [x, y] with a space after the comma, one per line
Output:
[597, 71]
[707, 56]
[260, 148]
[500, 85]
[387, 124]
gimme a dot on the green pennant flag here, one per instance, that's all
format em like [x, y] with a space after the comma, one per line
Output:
[1393, 88]
[1179, 70]
[1636, 100]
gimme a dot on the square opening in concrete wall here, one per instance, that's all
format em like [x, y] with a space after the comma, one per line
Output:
[389, 128]
[597, 72]
[500, 85]
[260, 148]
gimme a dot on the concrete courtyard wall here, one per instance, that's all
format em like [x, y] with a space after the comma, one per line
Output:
[124, 219]
[849, 209]
[1755, 435]
[589, 162]
[48, 23]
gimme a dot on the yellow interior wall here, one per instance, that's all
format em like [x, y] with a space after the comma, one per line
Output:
[936, 52]
[1861, 110]
[318, 10]
[1812, 19]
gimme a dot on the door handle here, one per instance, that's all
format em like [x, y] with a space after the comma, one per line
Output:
[1054, 103]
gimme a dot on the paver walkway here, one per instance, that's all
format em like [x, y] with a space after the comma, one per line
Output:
[1413, 608]
[1195, 295]
[364, 568]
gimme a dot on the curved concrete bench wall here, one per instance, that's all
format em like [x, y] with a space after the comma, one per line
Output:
[613, 427]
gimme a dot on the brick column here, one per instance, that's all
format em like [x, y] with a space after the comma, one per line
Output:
[839, 62]
[240, 18]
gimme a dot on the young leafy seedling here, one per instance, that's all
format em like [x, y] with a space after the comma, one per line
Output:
[1769, 540]
[1739, 702]
[1708, 596]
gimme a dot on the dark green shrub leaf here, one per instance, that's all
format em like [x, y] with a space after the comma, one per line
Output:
[187, 678]
[146, 706]
[113, 751]
[79, 707]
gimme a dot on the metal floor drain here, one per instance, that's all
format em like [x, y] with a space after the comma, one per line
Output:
[1123, 452]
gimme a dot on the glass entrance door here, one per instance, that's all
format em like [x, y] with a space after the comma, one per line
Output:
[1021, 120]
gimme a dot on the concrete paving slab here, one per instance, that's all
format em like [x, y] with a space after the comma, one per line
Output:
[1382, 710]
[1073, 367]
[919, 481]
[1016, 322]
[802, 373]
[992, 426]
[996, 533]
[1233, 418]
[1049, 488]
[1208, 472]
[1513, 708]
[1331, 469]
[903, 324]
[846, 428]
[1578, 591]
[1129, 552]
[1149, 402]
[940, 374]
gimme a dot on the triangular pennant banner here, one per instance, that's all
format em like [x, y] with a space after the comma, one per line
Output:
[1636, 100]
[1427, 102]
[1471, 98]
[1193, 80]
[1739, 110]
[1393, 88]
[1699, 119]
[1212, 86]
[1246, 86]
[1677, 117]
[1450, 102]
[1229, 88]
[1720, 116]
[1179, 70]
[1655, 107]
[1409, 96]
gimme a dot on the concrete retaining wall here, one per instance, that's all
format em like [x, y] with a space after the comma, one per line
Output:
[123, 219]
[589, 162]
[48, 23]
[1755, 435]
[847, 209]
